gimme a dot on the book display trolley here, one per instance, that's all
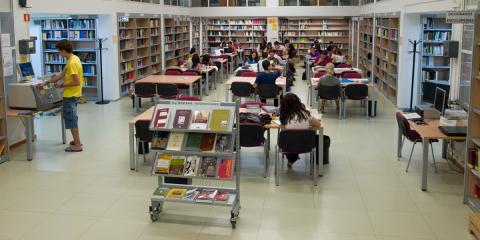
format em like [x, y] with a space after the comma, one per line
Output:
[196, 140]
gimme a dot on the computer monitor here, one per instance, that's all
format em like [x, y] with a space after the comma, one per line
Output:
[440, 99]
[227, 50]
[26, 70]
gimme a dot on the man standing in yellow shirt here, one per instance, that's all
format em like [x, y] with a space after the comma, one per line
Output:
[72, 76]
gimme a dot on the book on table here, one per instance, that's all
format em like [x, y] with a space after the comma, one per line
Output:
[225, 169]
[191, 194]
[160, 140]
[175, 141]
[223, 143]
[161, 192]
[208, 167]
[194, 141]
[176, 193]
[191, 166]
[161, 118]
[182, 119]
[222, 196]
[177, 165]
[220, 120]
[208, 142]
[206, 195]
[162, 165]
[200, 120]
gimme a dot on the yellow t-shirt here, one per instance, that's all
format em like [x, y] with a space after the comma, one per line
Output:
[73, 67]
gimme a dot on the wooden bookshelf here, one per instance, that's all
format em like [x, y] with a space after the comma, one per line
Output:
[177, 40]
[303, 31]
[435, 67]
[249, 32]
[365, 46]
[355, 42]
[196, 22]
[140, 50]
[204, 23]
[386, 56]
[83, 34]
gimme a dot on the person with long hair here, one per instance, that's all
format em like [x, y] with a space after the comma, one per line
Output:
[252, 59]
[329, 80]
[294, 115]
[196, 64]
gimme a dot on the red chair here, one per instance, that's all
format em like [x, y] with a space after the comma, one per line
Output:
[344, 65]
[181, 62]
[188, 73]
[319, 74]
[252, 135]
[351, 74]
[173, 72]
[412, 136]
[189, 98]
[167, 91]
[143, 90]
[248, 74]
[356, 92]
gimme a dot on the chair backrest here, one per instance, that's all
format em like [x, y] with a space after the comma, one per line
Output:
[404, 127]
[319, 74]
[329, 92]
[267, 90]
[344, 65]
[259, 104]
[167, 90]
[356, 91]
[145, 90]
[142, 130]
[351, 74]
[190, 73]
[248, 74]
[297, 141]
[188, 98]
[242, 89]
[173, 72]
[251, 135]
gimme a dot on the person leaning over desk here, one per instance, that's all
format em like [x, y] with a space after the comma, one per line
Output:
[267, 77]
[329, 80]
[295, 116]
[72, 75]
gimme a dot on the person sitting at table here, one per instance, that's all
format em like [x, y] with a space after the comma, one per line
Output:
[337, 57]
[278, 47]
[274, 59]
[193, 50]
[313, 54]
[232, 47]
[329, 80]
[323, 59]
[294, 116]
[267, 77]
[195, 63]
[252, 59]
[291, 51]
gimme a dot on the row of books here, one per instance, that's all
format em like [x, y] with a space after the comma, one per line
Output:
[433, 49]
[429, 75]
[206, 195]
[85, 57]
[194, 166]
[81, 23]
[326, 34]
[82, 34]
[54, 24]
[387, 33]
[192, 142]
[54, 35]
[429, 23]
[127, 45]
[216, 120]
[436, 36]
[89, 69]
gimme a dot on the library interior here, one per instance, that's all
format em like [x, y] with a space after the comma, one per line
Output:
[240, 119]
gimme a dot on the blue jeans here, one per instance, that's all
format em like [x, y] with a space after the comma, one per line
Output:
[70, 112]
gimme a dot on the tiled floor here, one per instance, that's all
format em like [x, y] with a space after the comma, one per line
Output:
[364, 195]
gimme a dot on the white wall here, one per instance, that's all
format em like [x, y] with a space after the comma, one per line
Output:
[107, 29]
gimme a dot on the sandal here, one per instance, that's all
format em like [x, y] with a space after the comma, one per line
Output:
[71, 149]
[72, 143]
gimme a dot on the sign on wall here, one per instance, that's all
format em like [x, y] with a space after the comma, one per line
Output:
[460, 17]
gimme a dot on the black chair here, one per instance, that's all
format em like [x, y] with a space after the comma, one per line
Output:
[241, 89]
[143, 136]
[144, 90]
[268, 91]
[252, 135]
[295, 142]
[167, 91]
[330, 93]
[356, 92]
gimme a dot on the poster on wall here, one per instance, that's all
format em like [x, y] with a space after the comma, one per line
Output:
[272, 29]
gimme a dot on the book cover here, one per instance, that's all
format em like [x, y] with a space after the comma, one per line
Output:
[222, 197]
[175, 141]
[191, 194]
[208, 142]
[206, 195]
[220, 120]
[225, 169]
[208, 167]
[200, 120]
[182, 119]
[161, 118]
[194, 140]
[176, 165]
[160, 140]
[223, 143]
[176, 193]
[162, 166]
[191, 166]
[161, 192]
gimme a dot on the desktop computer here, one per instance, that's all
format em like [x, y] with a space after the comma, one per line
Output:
[26, 71]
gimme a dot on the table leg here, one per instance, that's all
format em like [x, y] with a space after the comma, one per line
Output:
[318, 166]
[190, 89]
[136, 101]
[131, 142]
[223, 72]
[64, 134]
[399, 143]
[311, 95]
[208, 84]
[201, 88]
[425, 164]
[29, 135]
[227, 93]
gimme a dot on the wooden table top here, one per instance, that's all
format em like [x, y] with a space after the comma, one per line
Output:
[281, 81]
[314, 82]
[170, 79]
[202, 70]
[273, 125]
[431, 130]
[147, 115]
[15, 113]
[338, 70]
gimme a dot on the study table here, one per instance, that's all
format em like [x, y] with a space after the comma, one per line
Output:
[427, 132]
[204, 70]
[230, 61]
[145, 116]
[222, 62]
[281, 82]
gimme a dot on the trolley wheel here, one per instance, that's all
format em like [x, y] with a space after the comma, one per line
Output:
[154, 214]
[234, 223]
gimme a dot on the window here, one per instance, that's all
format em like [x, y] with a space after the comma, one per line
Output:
[318, 3]
[199, 3]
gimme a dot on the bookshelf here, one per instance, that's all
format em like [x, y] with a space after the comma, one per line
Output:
[204, 23]
[196, 149]
[177, 40]
[472, 166]
[435, 67]
[355, 42]
[249, 32]
[140, 52]
[365, 46]
[196, 23]
[4, 148]
[386, 56]
[83, 35]
[303, 31]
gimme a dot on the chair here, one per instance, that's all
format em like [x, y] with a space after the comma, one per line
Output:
[413, 137]
[319, 74]
[241, 89]
[356, 92]
[252, 135]
[248, 74]
[187, 73]
[167, 91]
[188, 98]
[143, 136]
[295, 142]
[144, 90]
[344, 65]
[266, 91]
[259, 104]
[330, 93]
[351, 74]
[173, 72]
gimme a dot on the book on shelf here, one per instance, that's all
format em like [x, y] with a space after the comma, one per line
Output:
[191, 194]
[191, 166]
[175, 141]
[161, 118]
[160, 140]
[208, 142]
[225, 169]
[223, 143]
[182, 118]
[161, 192]
[200, 120]
[162, 165]
[177, 165]
[208, 167]
[194, 140]
[176, 193]
[222, 197]
[220, 120]
[473, 159]
[206, 195]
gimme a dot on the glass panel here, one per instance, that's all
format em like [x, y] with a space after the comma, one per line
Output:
[199, 3]
[183, 3]
[468, 34]
[471, 2]
[218, 3]
[288, 2]
[237, 3]
[167, 2]
[348, 2]
[256, 3]
[308, 2]
[465, 76]
[328, 2]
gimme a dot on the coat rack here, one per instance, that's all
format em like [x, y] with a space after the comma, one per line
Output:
[100, 48]
[415, 44]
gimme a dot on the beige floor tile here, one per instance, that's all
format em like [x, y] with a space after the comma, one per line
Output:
[448, 226]
[41, 201]
[115, 229]
[400, 224]
[267, 234]
[61, 227]
[343, 221]
[389, 201]
[341, 236]
[88, 204]
[438, 202]
[132, 208]
[285, 218]
[221, 233]
[169, 230]
[14, 224]
[339, 199]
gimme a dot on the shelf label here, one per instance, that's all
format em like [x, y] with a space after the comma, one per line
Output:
[459, 17]
[123, 19]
